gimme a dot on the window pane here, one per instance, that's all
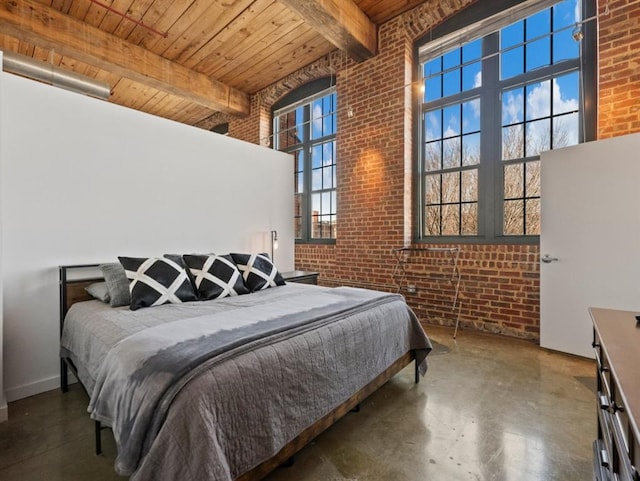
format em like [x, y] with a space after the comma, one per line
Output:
[316, 179]
[433, 67]
[472, 76]
[451, 187]
[566, 89]
[512, 106]
[538, 24]
[512, 63]
[538, 100]
[512, 35]
[326, 203]
[432, 156]
[538, 137]
[432, 88]
[451, 121]
[513, 217]
[532, 179]
[472, 51]
[471, 116]
[316, 119]
[432, 189]
[538, 54]
[469, 219]
[450, 219]
[327, 178]
[433, 125]
[451, 59]
[327, 153]
[432, 220]
[532, 217]
[451, 153]
[471, 149]
[451, 81]
[514, 181]
[316, 156]
[512, 142]
[469, 186]
[566, 130]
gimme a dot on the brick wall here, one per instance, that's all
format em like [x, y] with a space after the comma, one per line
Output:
[619, 68]
[500, 284]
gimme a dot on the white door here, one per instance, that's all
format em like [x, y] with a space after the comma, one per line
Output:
[591, 225]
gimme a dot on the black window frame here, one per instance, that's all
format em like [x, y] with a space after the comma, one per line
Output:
[490, 176]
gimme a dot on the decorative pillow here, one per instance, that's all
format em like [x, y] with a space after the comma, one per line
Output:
[215, 276]
[99, 290]
[258, 271]
[117, 284]
[156, 280]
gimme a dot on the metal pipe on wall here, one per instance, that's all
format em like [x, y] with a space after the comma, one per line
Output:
[53, 75]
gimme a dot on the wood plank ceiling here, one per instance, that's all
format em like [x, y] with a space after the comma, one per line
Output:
[186, 60]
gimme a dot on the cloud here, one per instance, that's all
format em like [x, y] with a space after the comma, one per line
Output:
[317, 117]
[539, 100]
[565, 131]
[477, 80]
[512, 108]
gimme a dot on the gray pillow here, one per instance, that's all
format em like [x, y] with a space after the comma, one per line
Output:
[99, 290]
[117, 284]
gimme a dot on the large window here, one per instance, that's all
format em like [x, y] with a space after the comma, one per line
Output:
[306, 128]
[491, 105]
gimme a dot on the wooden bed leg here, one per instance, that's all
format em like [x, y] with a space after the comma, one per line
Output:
[417, 372]
[64, 376]
[289, 462]
[98, 429]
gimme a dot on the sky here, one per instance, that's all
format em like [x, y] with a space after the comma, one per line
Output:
[526, 47]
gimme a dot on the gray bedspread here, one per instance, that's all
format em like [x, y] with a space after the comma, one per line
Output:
[209, 390]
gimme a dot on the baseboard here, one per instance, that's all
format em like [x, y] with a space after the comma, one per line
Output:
[31, 389]
[4, 413]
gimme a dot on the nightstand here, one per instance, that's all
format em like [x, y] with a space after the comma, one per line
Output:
[302, 277]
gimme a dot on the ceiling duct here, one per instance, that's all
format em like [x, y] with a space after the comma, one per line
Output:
[53, 75]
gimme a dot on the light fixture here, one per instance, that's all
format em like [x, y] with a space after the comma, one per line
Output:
[577, 34]
[53, 75]
[274, 242]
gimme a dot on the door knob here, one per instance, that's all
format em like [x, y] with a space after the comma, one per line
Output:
[547, 258]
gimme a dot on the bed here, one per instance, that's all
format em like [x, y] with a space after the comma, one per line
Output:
[184, 404]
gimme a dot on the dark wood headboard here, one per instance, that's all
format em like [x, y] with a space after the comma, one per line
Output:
[73, 290]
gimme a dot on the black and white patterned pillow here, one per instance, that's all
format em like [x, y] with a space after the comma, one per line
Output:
[155, 281]
[215, 276]
[258, 271]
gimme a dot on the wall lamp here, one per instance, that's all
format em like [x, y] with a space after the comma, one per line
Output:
[53, 75]
[274, 242]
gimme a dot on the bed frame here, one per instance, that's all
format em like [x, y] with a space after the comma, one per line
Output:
[73, 290]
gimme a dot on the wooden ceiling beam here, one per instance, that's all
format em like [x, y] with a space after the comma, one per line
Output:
[342, 23]
[35, 23]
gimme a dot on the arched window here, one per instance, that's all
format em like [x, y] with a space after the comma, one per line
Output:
[304, 124]
[499, 89]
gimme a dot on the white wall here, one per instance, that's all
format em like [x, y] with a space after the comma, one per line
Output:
[3, 401]
[84, 181]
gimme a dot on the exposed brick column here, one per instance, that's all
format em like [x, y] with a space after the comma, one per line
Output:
[619, 69]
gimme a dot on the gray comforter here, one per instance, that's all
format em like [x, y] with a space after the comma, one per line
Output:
[209, 390]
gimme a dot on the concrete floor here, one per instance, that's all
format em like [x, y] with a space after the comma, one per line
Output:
[489, 409]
